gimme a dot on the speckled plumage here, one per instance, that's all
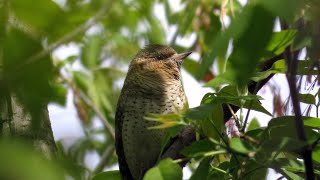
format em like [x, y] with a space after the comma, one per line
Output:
[152, 85]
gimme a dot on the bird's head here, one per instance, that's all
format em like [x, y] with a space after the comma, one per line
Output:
[158, 60]
[160, 54]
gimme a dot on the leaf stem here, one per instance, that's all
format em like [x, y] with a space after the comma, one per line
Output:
[234, 116]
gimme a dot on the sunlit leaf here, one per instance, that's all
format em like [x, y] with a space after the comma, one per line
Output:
[114, 175]
[280, 40]
[82, 80]
[165, 170]
[307, 98]
[241, 146]
[91, 51]
[253, 124]
[316, 153]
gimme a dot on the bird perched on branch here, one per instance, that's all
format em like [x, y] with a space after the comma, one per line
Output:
[152, 85]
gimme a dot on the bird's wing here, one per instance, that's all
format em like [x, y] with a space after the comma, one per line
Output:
[123, 166]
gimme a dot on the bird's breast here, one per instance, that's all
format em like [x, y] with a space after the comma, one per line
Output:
[142, 145]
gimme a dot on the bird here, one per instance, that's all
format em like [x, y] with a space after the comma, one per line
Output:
[153, 84]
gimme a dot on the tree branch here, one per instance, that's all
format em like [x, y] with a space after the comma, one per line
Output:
[291, 62]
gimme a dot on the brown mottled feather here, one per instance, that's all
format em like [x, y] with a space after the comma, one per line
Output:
[152, 85]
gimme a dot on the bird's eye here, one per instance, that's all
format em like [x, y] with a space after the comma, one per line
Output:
[159, 57]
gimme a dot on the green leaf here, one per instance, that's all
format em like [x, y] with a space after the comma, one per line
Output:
[280, 67]
[241, 146]
[91, 51]
[156, 32]
[198, 148]
[218, 48]
[82, 80]
[256, 133]
[165, 120]
[254, 170]
[312, 122]
[284, 126]
[222, 171]
[101, 92]
[247, 50]
[19, 161]
[283, 8]
[211, 32]
[282, 143]
[307, 98]
[165, 170]
[184, 19]
[253, 124]
[60, 94]
[31, 83]
[292, 175]
[200, 112]
[252, 101]
[114, 175]
[280, 40]
[42, 15]
[203, 169]
[316, 153]
[214, 127]
[224, 78]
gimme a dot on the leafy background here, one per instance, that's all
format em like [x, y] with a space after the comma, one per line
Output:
[75, 53]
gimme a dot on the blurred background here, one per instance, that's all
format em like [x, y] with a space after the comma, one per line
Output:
[76, 132]
[91, 43]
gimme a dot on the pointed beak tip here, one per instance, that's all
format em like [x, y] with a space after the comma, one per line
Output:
[187, 53]
[183, 55]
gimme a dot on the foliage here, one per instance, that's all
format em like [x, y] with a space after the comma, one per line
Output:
[108, 33]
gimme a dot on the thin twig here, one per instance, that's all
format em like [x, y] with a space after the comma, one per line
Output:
[88, 101]
[225, 142]
[248, 112]
[234, 116]
[104, 159]
[105, 122]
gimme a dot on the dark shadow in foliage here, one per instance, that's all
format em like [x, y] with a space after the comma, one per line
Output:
[30, 83]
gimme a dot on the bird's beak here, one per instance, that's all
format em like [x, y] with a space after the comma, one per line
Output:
[180, 57]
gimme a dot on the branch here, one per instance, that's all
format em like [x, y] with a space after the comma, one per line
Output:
[291, 62]
[186, 137]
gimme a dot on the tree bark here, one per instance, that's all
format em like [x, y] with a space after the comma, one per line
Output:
[16, 123]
